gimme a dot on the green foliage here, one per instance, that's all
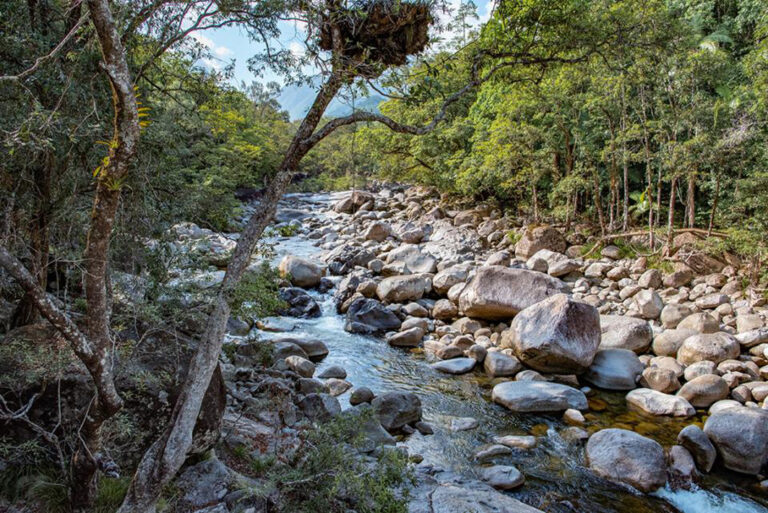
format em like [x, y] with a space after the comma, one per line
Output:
[330, 476]
[257, 293]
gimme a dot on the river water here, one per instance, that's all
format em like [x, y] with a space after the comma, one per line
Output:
[556, 477]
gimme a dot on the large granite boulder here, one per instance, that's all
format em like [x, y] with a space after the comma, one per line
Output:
[353, 202]
[714, 347]
[557, 335]
[302, 272]
[500, 293]
[659, 403]
[298, 303]
[413, 258]
[538, 238]
[396, 409]
[629, 458]
[397, 289]
[740, 435]
[369, 316]
[615, 369]
[620, 332]
[538, 396]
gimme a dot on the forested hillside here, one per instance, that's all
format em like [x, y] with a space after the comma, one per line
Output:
[531, 278]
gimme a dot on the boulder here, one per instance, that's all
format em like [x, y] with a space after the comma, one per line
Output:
[668, 342]
[315, 349]
[538, 396]
[413, 258]
[298, 303]
[407, 338]
[658, 403]
[370, 316]
[538, 238]
[648, 304]
[499, 292]
[353, 202]
[700, 322]
[345, 258]
[614, 369]
[705, 390]
[698, 444]
[557, 263]
[629, 458]
[378, 231]
[650, 279]
[672, 314]
[740, 436]
[502, 477]
[447, 278]
[611, 251]
[319, 407]
[397, 409]
[301, 272]
[397, 289]
[620, 332]
[714, 347]
[497, 364]
[660, 379]
[455, 365]
[301, 366]
[557, 335]
[444, 309]
[451, 498]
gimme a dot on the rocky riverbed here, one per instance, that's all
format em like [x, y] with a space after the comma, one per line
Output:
[517, 374]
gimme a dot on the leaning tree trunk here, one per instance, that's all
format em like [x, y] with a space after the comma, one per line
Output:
[167, 454]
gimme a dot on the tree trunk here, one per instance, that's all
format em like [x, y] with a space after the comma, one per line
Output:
[714, 206]
[690, 207]
[105, 204]
[625, 160]
[26, 311]
[167, 454]
[535, 204]
[598, 200]
[671, 217]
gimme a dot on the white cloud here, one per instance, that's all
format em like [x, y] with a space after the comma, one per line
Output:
[214, 64]
[296, 48]
[222, 51]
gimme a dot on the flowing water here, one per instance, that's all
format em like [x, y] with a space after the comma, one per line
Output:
[556, 477]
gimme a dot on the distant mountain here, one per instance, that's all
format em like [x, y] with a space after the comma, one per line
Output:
[297, 100]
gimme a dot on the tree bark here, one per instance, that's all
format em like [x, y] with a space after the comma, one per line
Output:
[671, 217]
[714, 205]
[690, 207]
[167, 454]
[105, 204]
[598, 200]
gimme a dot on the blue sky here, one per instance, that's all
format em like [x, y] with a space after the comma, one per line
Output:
[232, 44]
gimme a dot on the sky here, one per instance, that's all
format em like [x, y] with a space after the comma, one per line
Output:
[230, 44]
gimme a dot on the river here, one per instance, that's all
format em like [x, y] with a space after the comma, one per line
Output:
[556, 477]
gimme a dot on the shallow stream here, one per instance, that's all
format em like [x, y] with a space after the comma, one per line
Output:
[556, 477]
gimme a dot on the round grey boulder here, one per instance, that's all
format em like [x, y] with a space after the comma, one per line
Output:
[626, 457]
[740, 435]
[621, 332]
[614, 369]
